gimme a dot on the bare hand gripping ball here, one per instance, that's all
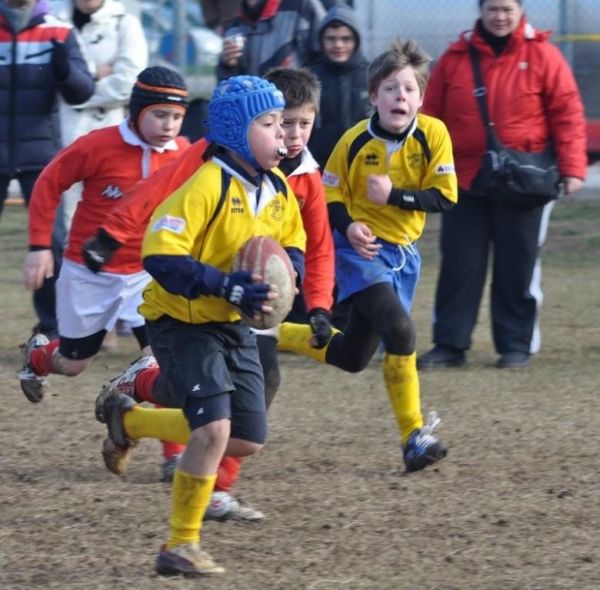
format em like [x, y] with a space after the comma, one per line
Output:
[265, 257]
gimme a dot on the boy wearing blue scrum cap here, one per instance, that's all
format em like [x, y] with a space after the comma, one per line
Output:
[209, 365]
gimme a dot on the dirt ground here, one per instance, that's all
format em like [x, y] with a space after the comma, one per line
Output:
[514, 506]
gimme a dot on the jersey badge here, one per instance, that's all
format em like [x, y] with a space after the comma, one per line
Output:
[276, 210]
[112, 192]
[175, 225]
[330, 179]
[415, 160]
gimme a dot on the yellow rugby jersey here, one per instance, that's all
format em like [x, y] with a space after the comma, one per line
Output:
[210, 217]
[423, 161]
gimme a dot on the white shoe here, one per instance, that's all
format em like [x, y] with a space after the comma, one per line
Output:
[223, 506]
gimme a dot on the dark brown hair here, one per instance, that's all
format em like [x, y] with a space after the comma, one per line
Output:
[299, 86]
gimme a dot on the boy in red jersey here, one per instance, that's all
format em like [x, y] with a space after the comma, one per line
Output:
[300, 89]
[108, 161]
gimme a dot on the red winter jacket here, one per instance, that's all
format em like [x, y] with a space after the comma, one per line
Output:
[532, 98]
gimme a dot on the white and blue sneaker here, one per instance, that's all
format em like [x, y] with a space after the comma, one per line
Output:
[223, 506]
[422, 448]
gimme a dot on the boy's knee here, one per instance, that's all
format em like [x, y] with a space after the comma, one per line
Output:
[243, 448]
[211, 435]
[69, 367]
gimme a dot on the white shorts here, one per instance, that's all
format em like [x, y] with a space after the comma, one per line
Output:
[273, 332]
[87, 303]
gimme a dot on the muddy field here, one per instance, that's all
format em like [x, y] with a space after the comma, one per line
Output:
[514, 506]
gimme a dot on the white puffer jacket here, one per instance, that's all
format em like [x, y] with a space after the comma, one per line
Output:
[115, 38]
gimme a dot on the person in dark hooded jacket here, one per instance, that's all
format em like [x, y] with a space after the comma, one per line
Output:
[268, 34]
[342, 70]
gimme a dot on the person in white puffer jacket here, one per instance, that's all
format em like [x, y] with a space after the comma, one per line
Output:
[115, 48]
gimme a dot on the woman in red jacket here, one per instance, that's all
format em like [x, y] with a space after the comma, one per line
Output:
[532, 99]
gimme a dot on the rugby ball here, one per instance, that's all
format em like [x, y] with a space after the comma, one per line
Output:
[265, 257]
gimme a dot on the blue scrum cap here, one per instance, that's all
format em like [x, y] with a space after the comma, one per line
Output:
[235, 103]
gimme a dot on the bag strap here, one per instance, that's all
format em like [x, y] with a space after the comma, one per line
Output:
[480, 91]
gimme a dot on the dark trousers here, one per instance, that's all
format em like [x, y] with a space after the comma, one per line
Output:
[472, 232]
[44, 299]
[26, 181]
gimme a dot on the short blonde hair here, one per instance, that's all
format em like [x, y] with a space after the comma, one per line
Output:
[397, 57]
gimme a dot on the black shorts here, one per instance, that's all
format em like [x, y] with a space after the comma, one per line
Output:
[211, 371]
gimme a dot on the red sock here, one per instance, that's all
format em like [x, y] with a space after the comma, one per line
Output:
[170, 449]
[144, 384]
[228, 473]
[41, 358]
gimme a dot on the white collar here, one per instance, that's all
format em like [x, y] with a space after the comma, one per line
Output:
[307, 164]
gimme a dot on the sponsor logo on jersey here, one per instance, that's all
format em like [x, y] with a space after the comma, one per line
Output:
[330, 179]
[169, 223]
[371, 160]
[112, 192]
[445, 169]
[237, 205]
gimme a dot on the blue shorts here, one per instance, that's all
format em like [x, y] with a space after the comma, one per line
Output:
[398, 265]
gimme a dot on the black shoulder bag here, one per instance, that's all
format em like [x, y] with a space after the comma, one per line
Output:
[522, 179]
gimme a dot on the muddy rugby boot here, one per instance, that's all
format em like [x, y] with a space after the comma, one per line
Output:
[116, 459]
[32, 384]
[116, 452]
[123, 383]
[187, 560]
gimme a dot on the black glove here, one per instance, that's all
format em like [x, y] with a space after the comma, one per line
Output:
[99, 250]
[238, 288]
[60, 61]
[320, 324]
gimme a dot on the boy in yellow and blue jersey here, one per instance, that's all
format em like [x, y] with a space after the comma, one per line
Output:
[208, 358]
[381, 179]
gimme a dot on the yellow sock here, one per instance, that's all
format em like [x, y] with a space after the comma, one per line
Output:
[160, 423]
[191, 495]
[296, 338]
[402, 383]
